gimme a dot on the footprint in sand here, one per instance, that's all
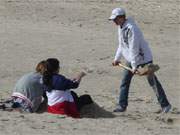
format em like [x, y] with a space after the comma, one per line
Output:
[101, 72]
[175, 111]
[42, 127]
[4, 120]
[79, 61]
[137, 100]
[21, 116]
[166, 119]
[104, 58]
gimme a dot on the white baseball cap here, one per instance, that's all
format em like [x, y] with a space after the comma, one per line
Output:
[117, 12]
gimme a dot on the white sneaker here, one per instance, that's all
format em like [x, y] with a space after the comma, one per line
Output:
[166, 109]
[119, 109]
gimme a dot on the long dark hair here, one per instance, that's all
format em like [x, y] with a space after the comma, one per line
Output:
[52, 67]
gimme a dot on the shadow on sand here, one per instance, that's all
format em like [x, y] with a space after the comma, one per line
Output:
[89, 111]
[95, 111]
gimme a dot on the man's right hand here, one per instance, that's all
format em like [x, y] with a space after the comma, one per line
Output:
[115, 63]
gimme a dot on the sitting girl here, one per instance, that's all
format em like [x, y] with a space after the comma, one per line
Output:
[28, 92]
[61, 100]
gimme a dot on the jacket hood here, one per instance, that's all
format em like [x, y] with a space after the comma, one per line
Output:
[128, 22]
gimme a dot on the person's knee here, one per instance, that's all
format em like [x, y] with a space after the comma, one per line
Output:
[86, 99]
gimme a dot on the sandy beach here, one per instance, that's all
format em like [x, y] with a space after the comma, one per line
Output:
[78, 33]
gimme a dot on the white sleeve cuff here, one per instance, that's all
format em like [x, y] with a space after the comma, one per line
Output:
[134, 65]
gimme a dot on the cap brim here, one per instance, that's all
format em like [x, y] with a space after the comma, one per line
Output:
[112, 17]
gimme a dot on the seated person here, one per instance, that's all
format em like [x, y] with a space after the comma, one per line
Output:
[28, 92]
[61, 100]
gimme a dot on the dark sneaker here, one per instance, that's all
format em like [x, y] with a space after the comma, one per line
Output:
[119, 109]
[166, 109]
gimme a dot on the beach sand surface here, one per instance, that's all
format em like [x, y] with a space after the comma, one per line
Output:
[78, 33]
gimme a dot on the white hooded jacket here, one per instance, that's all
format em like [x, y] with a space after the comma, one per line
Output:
[132, 45]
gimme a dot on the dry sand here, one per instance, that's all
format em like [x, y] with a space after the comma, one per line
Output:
[78, 33]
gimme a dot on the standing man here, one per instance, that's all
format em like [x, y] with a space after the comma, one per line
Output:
[135, 50]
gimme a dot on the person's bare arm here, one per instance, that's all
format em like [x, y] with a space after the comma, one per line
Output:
[79, 76]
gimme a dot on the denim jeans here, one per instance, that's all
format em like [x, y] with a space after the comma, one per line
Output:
[153, 82]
